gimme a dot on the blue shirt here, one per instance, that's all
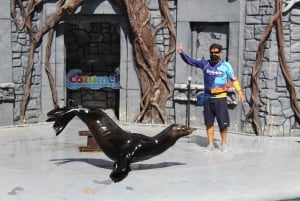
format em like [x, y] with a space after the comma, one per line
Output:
[215, 76]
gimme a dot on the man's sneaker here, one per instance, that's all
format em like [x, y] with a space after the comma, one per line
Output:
[224, 147]
[210, 147]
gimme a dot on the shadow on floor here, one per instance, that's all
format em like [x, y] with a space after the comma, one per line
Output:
[109, 164]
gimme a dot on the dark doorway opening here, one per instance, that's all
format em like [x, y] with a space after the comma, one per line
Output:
[93, 48]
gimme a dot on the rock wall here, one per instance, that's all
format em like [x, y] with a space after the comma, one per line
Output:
[246, 21]
[7, 92]
[20, 50]
[275, 112]
[40, 96]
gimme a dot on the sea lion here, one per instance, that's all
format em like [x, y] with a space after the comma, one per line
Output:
[120, 146]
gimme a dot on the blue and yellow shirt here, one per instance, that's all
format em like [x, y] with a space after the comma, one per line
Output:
[215, 77]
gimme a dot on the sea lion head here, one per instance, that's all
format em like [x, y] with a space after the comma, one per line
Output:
[180, 130]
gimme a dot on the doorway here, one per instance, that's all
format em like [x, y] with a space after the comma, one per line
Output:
[203, 35]
[93, 63]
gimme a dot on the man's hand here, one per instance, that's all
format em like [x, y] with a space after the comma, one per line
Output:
[180, 48]
[241, 96]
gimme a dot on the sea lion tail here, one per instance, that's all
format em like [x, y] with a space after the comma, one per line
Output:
[61, 117]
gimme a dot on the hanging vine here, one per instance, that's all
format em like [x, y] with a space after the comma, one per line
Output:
[151, 68]
[276, 20]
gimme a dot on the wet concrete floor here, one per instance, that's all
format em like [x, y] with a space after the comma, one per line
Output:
[35, 165]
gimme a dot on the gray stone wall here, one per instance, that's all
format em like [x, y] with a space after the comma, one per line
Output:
[20, 50]
[275, 111]
[246, 21]
[40, 101]
[7, 91]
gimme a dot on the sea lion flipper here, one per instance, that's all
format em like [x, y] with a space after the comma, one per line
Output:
[121, 168]
[61, 117]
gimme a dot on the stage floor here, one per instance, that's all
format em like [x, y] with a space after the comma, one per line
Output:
[38, 166]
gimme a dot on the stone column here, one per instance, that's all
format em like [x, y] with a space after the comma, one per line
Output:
[6, 85]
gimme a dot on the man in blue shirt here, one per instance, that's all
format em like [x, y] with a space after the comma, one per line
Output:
[216, 72]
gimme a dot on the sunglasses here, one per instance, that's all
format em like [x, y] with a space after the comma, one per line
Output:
[214, 52]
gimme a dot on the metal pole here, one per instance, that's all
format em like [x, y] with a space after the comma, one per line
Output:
[188, 102]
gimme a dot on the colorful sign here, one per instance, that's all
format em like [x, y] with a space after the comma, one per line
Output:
[76, 80]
